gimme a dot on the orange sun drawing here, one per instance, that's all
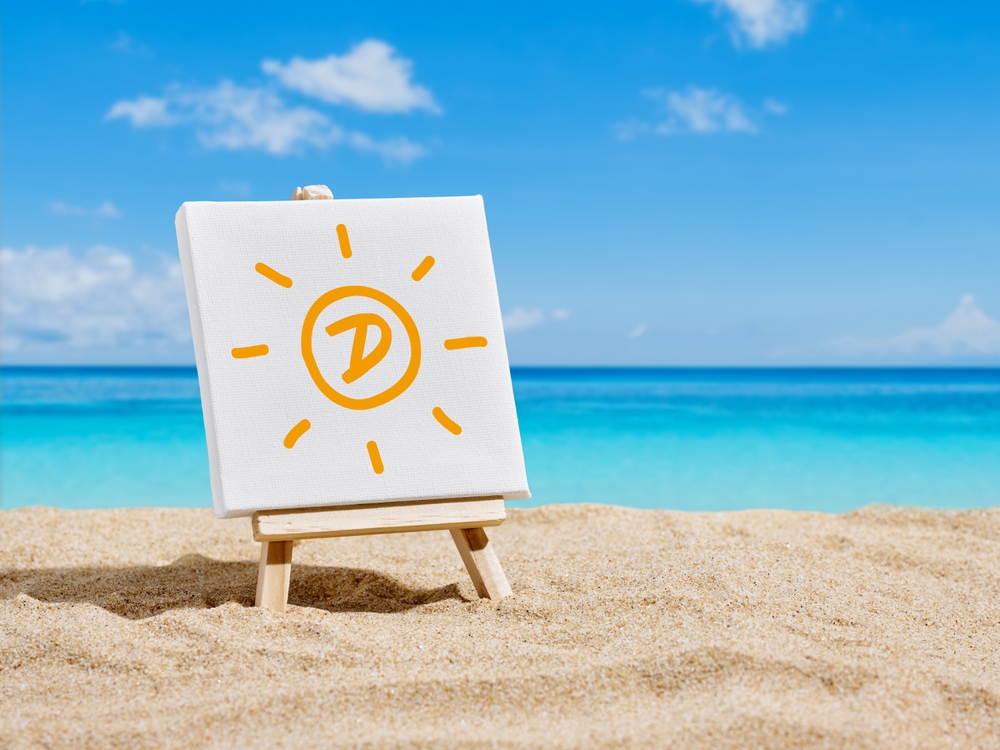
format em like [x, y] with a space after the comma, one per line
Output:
[362, 358]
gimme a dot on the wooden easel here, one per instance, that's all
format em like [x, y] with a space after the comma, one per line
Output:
[466, 518]
[277, 530]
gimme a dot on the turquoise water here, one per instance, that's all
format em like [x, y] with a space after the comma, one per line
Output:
[690, 439]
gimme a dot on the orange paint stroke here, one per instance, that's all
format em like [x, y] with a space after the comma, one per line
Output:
[446, 421]
[345, 241]
[376, 459]
[296, 432]
[360, 362]
[269, 273]
[465, 343]
[245, 352]
[420, 271]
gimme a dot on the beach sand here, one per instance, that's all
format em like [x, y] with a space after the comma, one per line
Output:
[134, 628]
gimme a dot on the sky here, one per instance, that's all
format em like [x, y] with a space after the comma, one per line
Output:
[689, 182]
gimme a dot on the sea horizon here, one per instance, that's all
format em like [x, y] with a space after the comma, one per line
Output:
[777, 368]
[682, 438]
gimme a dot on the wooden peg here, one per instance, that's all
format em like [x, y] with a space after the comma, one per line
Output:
[312, 193]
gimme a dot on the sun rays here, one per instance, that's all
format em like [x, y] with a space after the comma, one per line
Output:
[375, 457]
[245, 352]
[269, 273]
[420, 271]
[469, 342]
[447, 422]
[295, 433]
[344, 240]
[361, 362]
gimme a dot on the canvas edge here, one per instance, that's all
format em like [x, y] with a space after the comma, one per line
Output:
[197, 338]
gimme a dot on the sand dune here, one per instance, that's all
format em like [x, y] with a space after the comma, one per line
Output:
[880, 628]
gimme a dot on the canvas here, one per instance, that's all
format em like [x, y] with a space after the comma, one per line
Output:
[349, 351]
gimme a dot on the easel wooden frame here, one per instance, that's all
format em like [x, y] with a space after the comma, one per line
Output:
[466, 518]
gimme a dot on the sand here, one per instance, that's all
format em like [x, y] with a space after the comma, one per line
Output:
[879, 628]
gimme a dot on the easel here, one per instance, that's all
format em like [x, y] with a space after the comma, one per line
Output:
[277, 531]
[466, 518]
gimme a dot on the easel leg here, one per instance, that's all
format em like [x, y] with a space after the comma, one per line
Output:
[482, 563]
[273, 575]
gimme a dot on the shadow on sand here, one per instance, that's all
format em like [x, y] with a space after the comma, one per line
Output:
[197, 582]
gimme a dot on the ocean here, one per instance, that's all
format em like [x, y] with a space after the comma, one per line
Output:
[678, 438]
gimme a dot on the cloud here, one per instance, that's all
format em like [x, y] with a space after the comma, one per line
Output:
[106, 210]
[692, 110]
[235, 117]
[127, 45]
[775, 107]
[697, 110]
[636, 332]
[759, 23]
[966, 331]
[394, 149]
[61, 207]
[520, 319]
[370, 77]
[232, 117]
[143, 111]
[54, 297]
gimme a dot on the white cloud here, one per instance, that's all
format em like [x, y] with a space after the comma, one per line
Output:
[400, 149]
[636, 332]
[966, 331]
[759, 23]
[694, 110]
[122, 43]
[775, 107]
[235, 117]
[143, 111]
[54, 297]
[370, 77]
[106, 210]
[629, 129]
[127, 45]
[697, 110]
[520, 319]
[61, 207]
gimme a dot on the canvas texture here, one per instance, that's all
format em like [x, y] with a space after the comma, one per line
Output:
[349, 351]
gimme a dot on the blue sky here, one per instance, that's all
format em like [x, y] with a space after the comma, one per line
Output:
[693, 182]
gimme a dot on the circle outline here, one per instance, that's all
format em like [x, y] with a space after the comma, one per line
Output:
[309, 324]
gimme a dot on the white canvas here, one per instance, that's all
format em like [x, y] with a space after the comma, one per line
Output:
[293, 427]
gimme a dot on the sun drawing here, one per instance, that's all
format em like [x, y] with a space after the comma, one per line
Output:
[362, 358]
